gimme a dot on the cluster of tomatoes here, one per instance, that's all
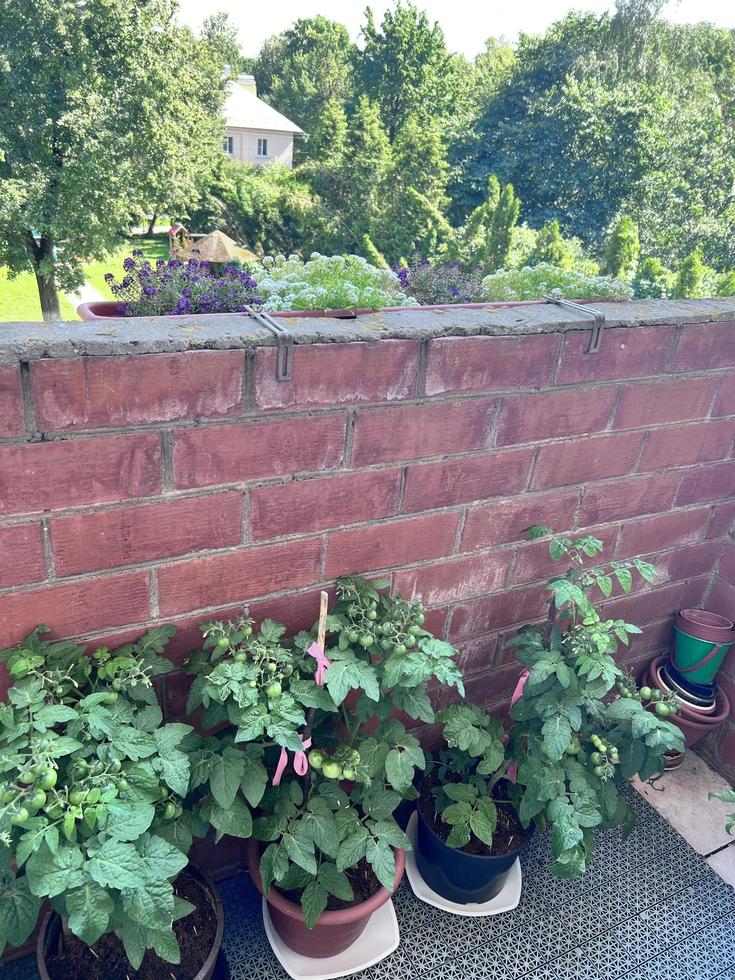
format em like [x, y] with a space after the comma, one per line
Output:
[662, 705]
[397, 633]
[340, 765]
[30, 796]
[271, 673]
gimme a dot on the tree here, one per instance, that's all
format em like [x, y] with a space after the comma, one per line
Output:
[305, 71]
[221, 35]
[695, 280]
[406, 68]
[106, 107]
[551, 247]
[622, 249]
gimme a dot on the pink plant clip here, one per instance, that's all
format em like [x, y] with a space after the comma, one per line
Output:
[300, 762]
[322, 662]
[522, 678]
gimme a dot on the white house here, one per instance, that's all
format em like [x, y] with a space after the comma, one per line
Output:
[255, 132]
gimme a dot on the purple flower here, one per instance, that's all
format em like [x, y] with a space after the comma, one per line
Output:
[129, 264]
[149, 290]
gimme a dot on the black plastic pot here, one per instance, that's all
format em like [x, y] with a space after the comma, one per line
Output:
[214, 967]
[459, 877]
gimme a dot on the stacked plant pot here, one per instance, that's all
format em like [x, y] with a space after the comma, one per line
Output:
[702, 640]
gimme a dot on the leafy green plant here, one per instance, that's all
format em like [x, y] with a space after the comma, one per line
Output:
[574, 743]
[727, 796]
[91, 790]
[324, 813]
[537, 281]
[335, 282]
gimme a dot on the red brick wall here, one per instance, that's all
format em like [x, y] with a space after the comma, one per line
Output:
[171, 487]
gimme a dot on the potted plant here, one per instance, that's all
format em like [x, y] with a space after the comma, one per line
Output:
[468, 833]
[92, 819]
[316, 722]
[579, 727]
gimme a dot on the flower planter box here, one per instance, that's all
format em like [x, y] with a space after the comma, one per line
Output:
[109, 309]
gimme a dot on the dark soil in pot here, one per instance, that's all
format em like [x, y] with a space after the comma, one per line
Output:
[199, 935]
[509, 834]
[364, 885]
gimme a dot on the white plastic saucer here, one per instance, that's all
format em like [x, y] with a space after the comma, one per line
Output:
[379, 939]
[507, 898]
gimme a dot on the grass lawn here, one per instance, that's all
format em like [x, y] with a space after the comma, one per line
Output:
[19, 296]
[19, 300]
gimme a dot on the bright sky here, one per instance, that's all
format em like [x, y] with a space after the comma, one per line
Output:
[466, 23]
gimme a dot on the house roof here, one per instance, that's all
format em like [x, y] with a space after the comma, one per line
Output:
[244, 110]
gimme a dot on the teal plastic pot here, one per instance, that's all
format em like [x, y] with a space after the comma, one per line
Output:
[701, 642]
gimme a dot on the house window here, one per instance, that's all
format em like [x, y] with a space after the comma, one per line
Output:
[262, 148]
[227, 145]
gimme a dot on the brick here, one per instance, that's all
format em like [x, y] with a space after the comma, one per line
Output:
[238, 576]
[477, 616]
[727, 564]
[603, 502]
[493, 687]
[490, 363]
[705, 345]
[725, 401]
[505, 521]
[296, 612]
[723, 521]
[722, 599]
[598, 458]
[311, 505]
[627, 352]
[533, 561]
[238, 453]
[338, 374]
[54, 475]
[641, 608]
[12, 420]
[552, 415]
[94, 392]
[125, 536]
[655, 638]
[414, 431]
[662, 532]
[707, 483]
[458, 481]
[74, 608]
[662, 402]
[695, 589]
[700, 442]
[455, 579]
[21, 549]
[689, 561]
[478, 654]
[387, 545]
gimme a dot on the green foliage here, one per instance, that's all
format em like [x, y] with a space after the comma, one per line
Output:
[91, 791]
[537, 281]
[694, 279]
[381, 658]
[551, 247]
[727, 796]
[93, 129]
[622, 249]
[653, 280]
[326, 282]
[572, 743]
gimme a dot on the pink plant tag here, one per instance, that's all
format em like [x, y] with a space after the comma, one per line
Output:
[322, 662]
[522, 678]
[300, 763]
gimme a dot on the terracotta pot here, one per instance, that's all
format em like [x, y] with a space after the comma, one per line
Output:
[108, 308]
[335, 930]
[693, 726]
[51, 926]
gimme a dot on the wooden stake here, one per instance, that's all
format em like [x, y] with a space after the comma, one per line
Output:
[322, 631]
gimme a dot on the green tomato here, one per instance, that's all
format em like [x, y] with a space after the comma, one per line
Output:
[273, 690]
[600, 770]
[372, 615]
[248, 631]
[662, 710]
[385, 644]
[20, 817]
[596, 758]
[401, 648]
[115, 765]
[37, 800]
[366, 640]
[316, 759]
[332, 770]
[287, 671]
[117, 684]
[421, 619]
[348, 773]
[354, 757]
[271, 667]
[410, 641]
[645, 693]
[223, 643]
[77, 796]
[169, 811]
[111, 697]
[253, 684]
[239, 657]
[574, 746]
[122, 785]
[656, 696]
[353, 636]
[48, 779]
[27, 777]
[8, 794]
[414, 630]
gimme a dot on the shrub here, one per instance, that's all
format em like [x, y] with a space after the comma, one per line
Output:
[653, 280]
[434, 284]
[324, 282]
[622, 249]
[535, 282]
[177, 286]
